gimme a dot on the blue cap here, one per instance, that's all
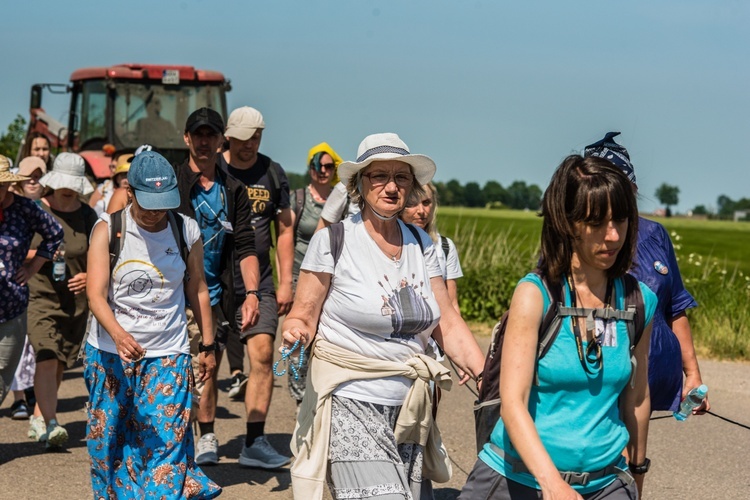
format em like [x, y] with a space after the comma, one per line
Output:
[608, 149]
[153, 181]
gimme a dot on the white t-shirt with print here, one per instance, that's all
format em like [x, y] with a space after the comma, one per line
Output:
[146, 292]
[450, 267]
[376, 306]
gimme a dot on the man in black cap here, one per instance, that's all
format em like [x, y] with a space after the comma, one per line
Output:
[220, 204]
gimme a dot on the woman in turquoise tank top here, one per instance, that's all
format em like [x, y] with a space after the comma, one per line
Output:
[569, 419]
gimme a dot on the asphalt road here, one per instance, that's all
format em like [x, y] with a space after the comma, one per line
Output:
[704, 457]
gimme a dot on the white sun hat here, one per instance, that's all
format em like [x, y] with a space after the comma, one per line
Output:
[68, 171]
[387, 146]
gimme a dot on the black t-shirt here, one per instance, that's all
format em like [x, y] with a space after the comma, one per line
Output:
[266, 201]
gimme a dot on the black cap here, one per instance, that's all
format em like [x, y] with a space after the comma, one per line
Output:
[204, 116]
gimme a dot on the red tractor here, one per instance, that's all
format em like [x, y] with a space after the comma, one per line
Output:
[120, 107]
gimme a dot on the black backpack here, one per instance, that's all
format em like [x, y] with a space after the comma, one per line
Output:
[487, 406]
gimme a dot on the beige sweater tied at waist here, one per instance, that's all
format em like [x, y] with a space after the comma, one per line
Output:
[330, 366]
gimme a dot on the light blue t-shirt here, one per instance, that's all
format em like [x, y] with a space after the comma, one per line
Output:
[210, 212]
[577, 414]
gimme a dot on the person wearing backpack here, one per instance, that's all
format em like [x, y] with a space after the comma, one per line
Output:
[371, 293]
[137, 363]
[307, 203]
[421, 212]
[566, 417]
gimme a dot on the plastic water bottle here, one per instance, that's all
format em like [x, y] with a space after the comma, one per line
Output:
[58, 264]
[692, 401]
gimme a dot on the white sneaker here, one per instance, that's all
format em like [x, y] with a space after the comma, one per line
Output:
[207, 450]
[37, 429]
[262, 454]
[56, 435]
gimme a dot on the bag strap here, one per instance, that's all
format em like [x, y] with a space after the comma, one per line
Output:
[415, 232]
[178, 231]
[117, 227]
[336, 236]
[446, 246]
[299, 205]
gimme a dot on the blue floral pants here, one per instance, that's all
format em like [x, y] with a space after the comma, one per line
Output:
[138, 432]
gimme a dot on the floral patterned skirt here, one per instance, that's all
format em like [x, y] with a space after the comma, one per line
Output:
[364, 460]
[138, 431]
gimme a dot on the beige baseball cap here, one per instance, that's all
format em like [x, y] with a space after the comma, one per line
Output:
[243, 122]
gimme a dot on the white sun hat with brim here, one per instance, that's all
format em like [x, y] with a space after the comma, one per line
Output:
[6, 176]
[68, 172]
[387, 146]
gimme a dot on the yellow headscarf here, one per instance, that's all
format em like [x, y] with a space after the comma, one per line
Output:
[324, 147]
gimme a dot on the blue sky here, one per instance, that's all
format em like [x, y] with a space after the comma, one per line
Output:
[492, 90]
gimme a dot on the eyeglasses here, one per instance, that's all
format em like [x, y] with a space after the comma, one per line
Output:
[329, 166]
[401, 179]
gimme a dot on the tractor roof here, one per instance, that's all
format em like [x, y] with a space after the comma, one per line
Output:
[147, 72]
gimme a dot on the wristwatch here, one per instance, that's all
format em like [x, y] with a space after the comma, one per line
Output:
[207, 347]
[640, 469]
[254, 292]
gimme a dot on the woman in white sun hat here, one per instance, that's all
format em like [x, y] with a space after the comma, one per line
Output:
[370, 294]
[58, 309]
[20, 220]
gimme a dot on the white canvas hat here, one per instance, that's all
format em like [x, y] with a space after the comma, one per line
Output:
[388, 146]
[243, 122]
[68, 171]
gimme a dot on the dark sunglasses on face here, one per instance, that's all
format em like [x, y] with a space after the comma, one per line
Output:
[326, 166]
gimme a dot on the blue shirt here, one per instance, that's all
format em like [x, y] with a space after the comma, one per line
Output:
[211, 215]
[576, 415]
[656, 266]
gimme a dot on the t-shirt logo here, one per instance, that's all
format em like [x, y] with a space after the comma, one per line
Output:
[408, 308]
[259, 198]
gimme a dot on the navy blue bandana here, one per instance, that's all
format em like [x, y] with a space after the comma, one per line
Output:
[608, 149]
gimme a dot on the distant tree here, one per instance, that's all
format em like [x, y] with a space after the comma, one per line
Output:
[11, 140]
[445, 197]
[700, 210]
[493, 192]
[473, 196]
[725, 206]
[297, 181]
[668, 196]
[457, 192]
[521, 196]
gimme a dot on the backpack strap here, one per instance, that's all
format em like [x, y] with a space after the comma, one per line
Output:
[634, 303]
[336, 236]
[273, 175]
[446, 246]
[299, 205]
[178, 231]
[117, 227]
[414, 231]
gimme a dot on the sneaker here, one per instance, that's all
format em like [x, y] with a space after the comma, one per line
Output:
[37, 429]
[56, 435]
[262, 454]
[19, 410]
[207, 450]
[237, 389]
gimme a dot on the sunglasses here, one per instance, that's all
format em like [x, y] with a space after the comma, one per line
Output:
[328, 166]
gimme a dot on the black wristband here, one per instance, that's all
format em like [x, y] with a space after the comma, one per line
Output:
[254, 292]
[206, 347]
[640, 469]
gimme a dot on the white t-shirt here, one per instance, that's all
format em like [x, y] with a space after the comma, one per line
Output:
[335, 208]
[376, 306]
[450, 267]
[146, 292]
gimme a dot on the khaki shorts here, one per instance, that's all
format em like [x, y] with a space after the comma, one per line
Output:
[57, 338]
[194, 334]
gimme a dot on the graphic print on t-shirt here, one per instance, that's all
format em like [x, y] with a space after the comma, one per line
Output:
[139, 278]
[408, 308]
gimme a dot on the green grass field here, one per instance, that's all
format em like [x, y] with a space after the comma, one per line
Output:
[497, 247]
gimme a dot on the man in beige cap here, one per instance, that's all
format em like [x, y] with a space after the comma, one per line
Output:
[268, 190]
